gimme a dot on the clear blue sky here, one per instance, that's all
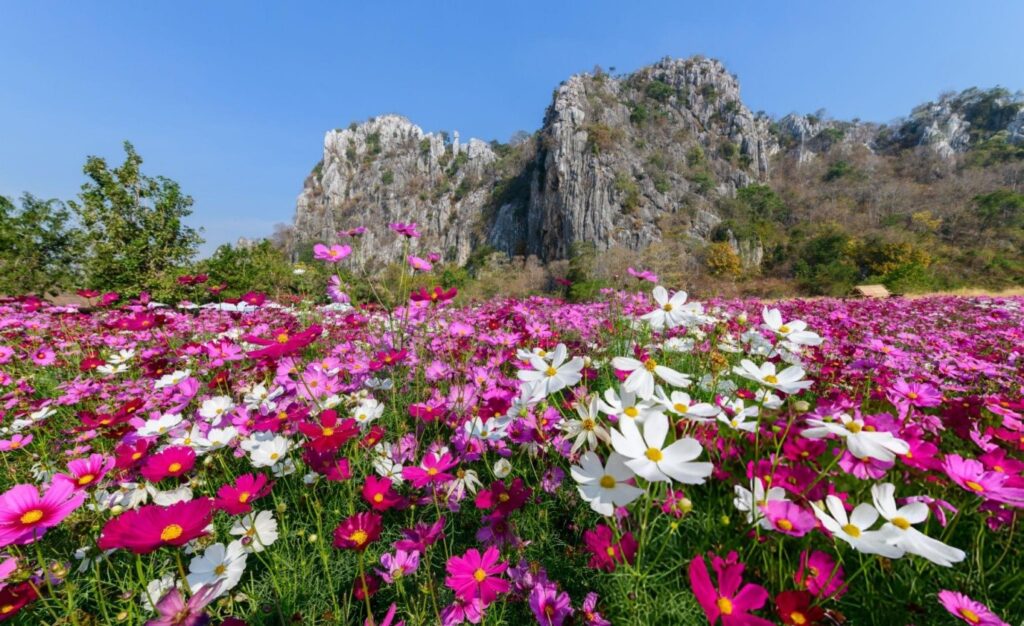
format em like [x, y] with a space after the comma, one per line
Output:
[232, 99]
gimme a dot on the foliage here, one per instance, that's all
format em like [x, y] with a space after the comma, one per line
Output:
[133, 226]
[628, 190]
[601, 137]
[259, 267]
[39, 248]
[659, 90]
[721, 260]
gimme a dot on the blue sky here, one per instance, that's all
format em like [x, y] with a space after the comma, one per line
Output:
[232, 99]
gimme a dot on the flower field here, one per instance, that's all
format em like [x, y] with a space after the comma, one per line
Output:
[645, 459]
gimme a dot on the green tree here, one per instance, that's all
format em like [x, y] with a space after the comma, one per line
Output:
[134, 227]
[39, 248]
[260, 267]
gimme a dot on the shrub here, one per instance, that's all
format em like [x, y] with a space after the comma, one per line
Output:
[629, 191]
[601, 137]
[721, 260]
[659, 90]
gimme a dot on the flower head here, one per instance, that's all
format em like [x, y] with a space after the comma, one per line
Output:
[475, 576]
[145, 529]
[358, 531]
[25, 514]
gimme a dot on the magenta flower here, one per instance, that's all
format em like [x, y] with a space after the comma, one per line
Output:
[432, 471]
[589, 612]
[417, 263]
[647, 275]
[15, 442]
[406, 230]
[173, 461]
[352, 232]
[789, 518]
[44, 356]
[85, 472]
[728, 601]
[548, 605]
[972, 476]
[145, 529]
[358, 531]
[914, 394]
[333, 254]
[474, 576]
[399, 564]
[606, 552]
[820, 575]
[237, 499]
[970, 611]
[25, 515]
[174, 611]
[421, 536]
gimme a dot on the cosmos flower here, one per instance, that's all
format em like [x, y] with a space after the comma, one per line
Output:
[148, 528]
[880, 445]
[642, 375]
[853, 528]
[549, 606]
[475, 576]
[604, 486]
[26, 515]
[219, 567]
[548, 378]
[358, 531]
[86, 472]
[648, 456]
[172, 462]
[970, 611]
[727, 600]
[332, 254]
[902, 534]
[607, 552]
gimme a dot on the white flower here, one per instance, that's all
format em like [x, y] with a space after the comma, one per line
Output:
[172, 496]
[789, 380]
[678, 344]
[220, 437]
[751, 500]
[266, 449]
[604, 486]
[367, 411]
[123, 356]
[160, 425]
[257, 531]
[902, 534]
[854, 529]
[794, 331]
[641, 377]
[547, 378]
[669, 311]
[193, 438]
[492, 429]
[735, 413]
[525, 355]
[169, 380]
[215, 407]
[156, 590]
[465, 480]
[880, 445]
[218, 565]
[650, 460]
[502, 468]
[110, 370]
[625, 405]
[680, 403]
[385, 465]
[586, 429]
[767, 399]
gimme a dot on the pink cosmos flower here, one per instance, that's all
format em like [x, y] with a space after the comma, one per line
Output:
[789, 518]
[333, 254]
[548, 605]
[15, 442]
[237, 499]
[407, 230]
[970, 611]
[417, 263]
[972, 476]
[647, 275]
[44, 356]
[728, 600]
[174, 611]
[820, 574]
[589, 614]
[421, 536]
[475, 576]
[85, 472]
[25, 515]
[914, 394]
[358, 531]
[399, 564]
[606, 552]
[335, 290]
[431, 472]
[172, 462]
[352, 232]
[379, 494]
[145, 529]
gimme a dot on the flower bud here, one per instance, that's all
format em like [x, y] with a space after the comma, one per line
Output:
[802, 405]
[502, 468]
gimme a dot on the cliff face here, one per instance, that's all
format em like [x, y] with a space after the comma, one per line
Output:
[619, 161]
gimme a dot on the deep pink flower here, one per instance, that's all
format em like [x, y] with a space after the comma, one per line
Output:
[970, 611]
[789, 518]
[417, 263]
[352, 232]
[85, 472]
[647, 275]
[475, 576]
[25, 515]
[820, 574]
[421, 536]
[172, 462]
[333, 254]
[606, 552]
[548, 605]
[728, 600]
[914, 394]
[15, 442]
[972, 476]
[502, 498]
[145, 529]
[174, 611]
[44, 356]
[399, 564]
[379, 494]
[358, 531]
[406, 230]
[432, 471]
[237, 499]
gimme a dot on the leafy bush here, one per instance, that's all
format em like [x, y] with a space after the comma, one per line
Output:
[659, 90]
[629, 191]
[721, 260]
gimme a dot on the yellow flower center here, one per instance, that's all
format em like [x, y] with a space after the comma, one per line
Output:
[912, 395]
[631, 411]
[667, 307]
[479, 575]
[136, 456]
[432, 471]
[174, 467]
[771, 379]
[274, 456]
[15, 444]
[680, 407]
[588, 424]
[610, 551]
[503, 497]
[783, 329]
[975, 486]
[171, 532]
[650, 364]
[969, 615]
[7, 608]
[31, 517]
[654, 454]
[220, 569]
[797, 617]
[244, 497]
[854, 427]
[359, 537]
[724, 605]
[378, 497]
[851, 530]
[901, 523]
[85, 480]
[550, 371]
[282, 338]
[327, 432]
[784, 524]
[608, 481]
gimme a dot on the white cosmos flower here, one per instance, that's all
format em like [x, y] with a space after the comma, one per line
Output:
[902, 534]
[171, 496]
[160, 425]
[789, 380]
[794, 331]
[669, 309]
[767, 399]
[548, 378]
[750, 501]
[266, 449]
[738, 420]
[465, 480]
[854, 529]
[218, 565]
[587, 429]
[880, 445]
[112, 369]
[641, 378]
[220, 437]
[678, 344]
[172, 379]
[604, 486]
[385, 465]
[650, 458]
[192, 438]
[492, 429]
[525, 355]
[216, 407]
[155, 590]
[625, 405]
[367, 411]
[680, 403]
[123, 356]
[257, 531]
[502, 468]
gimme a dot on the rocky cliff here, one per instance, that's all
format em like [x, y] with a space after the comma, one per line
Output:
[620, 161]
